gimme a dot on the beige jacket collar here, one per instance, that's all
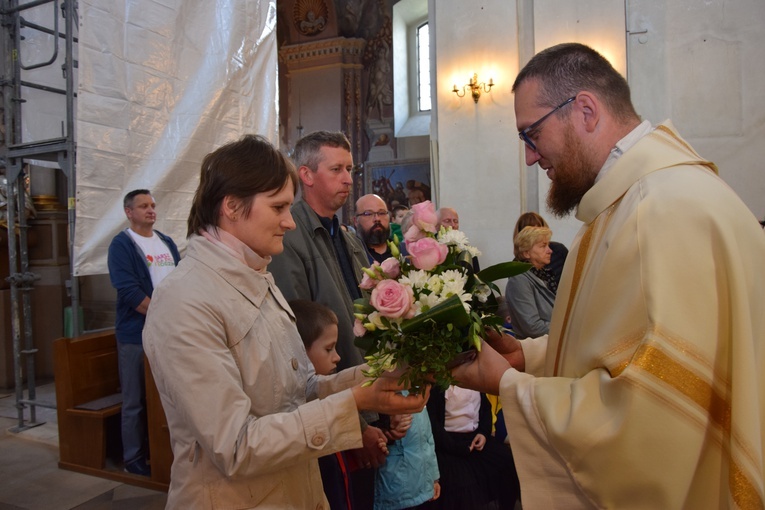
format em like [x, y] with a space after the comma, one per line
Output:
[254, 283]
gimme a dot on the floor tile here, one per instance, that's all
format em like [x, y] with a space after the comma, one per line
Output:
[31, 480]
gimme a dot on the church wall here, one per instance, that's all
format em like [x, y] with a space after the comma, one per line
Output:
[478, 154]
[317, 104]
[700, 64]
[413, 147]
[688, 60]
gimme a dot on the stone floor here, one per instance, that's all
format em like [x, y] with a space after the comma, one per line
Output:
[29, 475]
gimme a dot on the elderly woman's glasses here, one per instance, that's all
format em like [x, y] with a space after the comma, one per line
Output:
[524, 135]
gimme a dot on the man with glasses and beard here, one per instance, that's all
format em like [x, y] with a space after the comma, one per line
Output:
[372, 222]
[648, 391]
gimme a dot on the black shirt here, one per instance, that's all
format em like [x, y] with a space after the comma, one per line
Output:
[341, 253]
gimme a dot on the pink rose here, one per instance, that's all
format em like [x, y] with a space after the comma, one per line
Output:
[393, 300]
[359, 329]
[427, 253]
[413, 234]
[391, 267]
[424, 216]
[370, 277]
[367, 282]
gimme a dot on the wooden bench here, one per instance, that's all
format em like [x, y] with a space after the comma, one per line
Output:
[88, 406]
[88, 399]
[159, 433]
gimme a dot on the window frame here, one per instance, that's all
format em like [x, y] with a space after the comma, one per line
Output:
[417, 63]
[409, 121]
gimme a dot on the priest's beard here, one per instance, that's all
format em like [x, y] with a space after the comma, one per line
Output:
[573, 177]
[376, 235]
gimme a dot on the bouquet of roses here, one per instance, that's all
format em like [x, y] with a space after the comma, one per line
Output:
[427, 308]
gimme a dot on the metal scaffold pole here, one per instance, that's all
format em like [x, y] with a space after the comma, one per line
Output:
[13, 154]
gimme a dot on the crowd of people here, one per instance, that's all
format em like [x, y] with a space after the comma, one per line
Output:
[630, 376]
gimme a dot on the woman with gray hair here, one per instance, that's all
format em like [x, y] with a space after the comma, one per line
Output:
[530, 296]
[559, 251]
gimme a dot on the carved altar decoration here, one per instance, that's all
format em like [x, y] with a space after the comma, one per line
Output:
[378, 59]
[336, 60]
[310, 16]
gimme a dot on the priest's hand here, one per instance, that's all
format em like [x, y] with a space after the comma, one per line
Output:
[484, 373]
[509, 347]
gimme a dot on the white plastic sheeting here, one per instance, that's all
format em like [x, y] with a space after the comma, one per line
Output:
[161, 84]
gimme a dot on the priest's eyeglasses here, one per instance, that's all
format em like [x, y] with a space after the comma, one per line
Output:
[376, 214]
[524, 135]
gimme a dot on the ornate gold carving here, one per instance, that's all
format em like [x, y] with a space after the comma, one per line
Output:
[46, 203]
[310, 16]
[357, 96]
[347, 96]
[326, 52]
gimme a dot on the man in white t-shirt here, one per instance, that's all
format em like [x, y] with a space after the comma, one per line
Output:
[139, 258]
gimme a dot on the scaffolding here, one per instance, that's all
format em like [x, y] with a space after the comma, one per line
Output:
[14, 153]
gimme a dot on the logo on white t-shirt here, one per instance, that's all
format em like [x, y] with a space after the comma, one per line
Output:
[160, 259]
[157, 255]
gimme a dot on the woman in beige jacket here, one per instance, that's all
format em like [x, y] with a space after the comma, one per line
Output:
[248, 416]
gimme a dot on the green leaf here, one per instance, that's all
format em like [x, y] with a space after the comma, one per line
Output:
[362, 305]
[449, 311]
[465, 259]
[493, 320]
[503, 270]
[365, 343]
[493, 287]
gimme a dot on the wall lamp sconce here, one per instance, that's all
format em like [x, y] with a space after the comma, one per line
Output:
[475, 88]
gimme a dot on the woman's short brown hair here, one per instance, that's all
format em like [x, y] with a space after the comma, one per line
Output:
[527, 238]
[241, 169]
[529, 219]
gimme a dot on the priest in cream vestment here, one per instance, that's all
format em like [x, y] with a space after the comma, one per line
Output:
[648, 392]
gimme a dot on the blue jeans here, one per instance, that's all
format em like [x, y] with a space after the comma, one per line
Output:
[134, 439]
